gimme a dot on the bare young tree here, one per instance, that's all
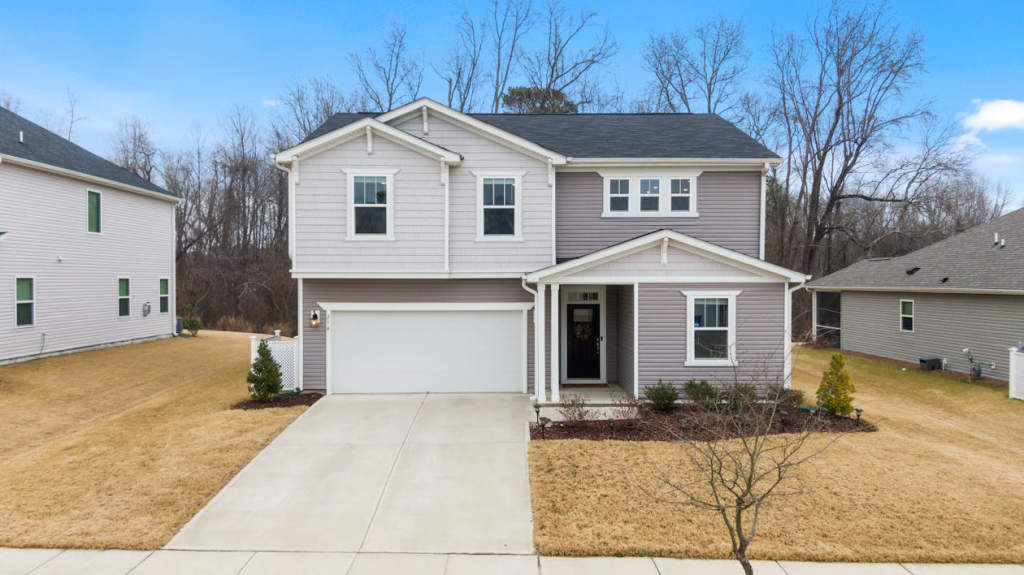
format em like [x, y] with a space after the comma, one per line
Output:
[9, 101]
[307, 104]
[742, 452]
[708, 75]
[132, 148]
[461, 71]
[389, 77]
[511, 20]
[562, 65]
[72, 108]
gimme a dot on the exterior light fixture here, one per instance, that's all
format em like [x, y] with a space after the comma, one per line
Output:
[536, 409]
[859, 411]
[611, 426]
[783, 414]
[314, 318]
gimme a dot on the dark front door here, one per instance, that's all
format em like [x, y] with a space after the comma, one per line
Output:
[583, 341]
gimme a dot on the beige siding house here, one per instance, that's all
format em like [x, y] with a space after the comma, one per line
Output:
[86, 248]
[442, 251]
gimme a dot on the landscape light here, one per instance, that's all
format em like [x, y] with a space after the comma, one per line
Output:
[536, 409]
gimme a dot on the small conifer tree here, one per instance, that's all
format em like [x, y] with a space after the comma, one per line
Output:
[835, 394]
[265, 376]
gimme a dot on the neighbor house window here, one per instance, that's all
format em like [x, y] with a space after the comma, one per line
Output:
[711, 328]
[124, 292]
[25, 301]
[371, 204]
[94, 212]
[680, 197]
[618, 192]
[906, 315]
[165, 295]
[650, 192]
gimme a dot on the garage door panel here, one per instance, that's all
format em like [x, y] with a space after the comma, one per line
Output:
[417, 351]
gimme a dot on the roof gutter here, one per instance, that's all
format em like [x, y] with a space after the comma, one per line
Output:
[912, 289]
[88, 178]
[758, 163]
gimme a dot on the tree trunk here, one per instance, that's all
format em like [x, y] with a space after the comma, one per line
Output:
[748, 569]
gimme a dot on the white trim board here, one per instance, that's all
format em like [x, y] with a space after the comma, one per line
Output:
[425, 306]
[366, 126]
[396, 274]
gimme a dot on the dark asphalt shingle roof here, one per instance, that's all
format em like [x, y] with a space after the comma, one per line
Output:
[707, 136]
[45, 147]
[968, 259]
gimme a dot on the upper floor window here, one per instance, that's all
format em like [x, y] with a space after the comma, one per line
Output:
[94, 204]
[907, 315]
[711, 328]
[25, 301]
[638, 194]
[124, 300]
[618, 191]
[499, 203]
[371, 206]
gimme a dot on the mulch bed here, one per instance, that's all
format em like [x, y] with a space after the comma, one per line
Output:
[286, 401]
[686, 421]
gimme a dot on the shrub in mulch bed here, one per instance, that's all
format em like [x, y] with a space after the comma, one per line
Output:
[687, 421]
[284, 401]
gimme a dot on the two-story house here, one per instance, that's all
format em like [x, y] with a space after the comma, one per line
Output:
[441, 251]
[86, 248]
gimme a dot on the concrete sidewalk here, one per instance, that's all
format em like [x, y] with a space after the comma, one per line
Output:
[57, 562]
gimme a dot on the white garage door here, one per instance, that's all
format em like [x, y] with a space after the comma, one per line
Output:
[417, 351]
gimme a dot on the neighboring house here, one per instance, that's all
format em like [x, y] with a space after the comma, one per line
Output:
[86, 248]
[965, 292]
[426, 241]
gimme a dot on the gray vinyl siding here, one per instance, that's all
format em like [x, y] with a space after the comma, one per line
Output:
[321, 210]
[76, 298]
[728, 204]
[760, 335]
[647, 264]
[944, 324]
[624, 333]
[482, 153]
[334, 290]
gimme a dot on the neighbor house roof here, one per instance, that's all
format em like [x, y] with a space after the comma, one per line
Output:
[659, 136]
[41, 146]
[969, 261]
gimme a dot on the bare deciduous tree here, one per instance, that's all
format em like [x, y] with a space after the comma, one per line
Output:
[461, 71]
[132, 148]
[10, 101]
[72, 108]
[709, 73]
[511, 21]
[308, 104]
[562, 65]
[389, 77]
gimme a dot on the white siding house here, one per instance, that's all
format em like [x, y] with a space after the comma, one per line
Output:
[86, 260]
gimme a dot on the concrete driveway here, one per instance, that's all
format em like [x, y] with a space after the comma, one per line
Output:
[427, 473]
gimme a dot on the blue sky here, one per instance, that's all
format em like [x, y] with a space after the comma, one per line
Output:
[181, 64]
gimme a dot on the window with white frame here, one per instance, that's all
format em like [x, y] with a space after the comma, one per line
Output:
[907, 315]
[165, 295]
[499, 206]
[711, 328]
[650, 194]
[618, 192]
[644, 194]
[25, 301]
[371, 203]
[680, 194]
[124, 299]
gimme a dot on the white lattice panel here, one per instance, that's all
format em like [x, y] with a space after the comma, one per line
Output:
[1016, 374]
[284, 354]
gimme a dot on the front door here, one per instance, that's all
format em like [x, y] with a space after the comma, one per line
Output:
[583, 341]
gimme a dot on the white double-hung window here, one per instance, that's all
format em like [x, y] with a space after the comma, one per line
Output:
[371, 205]
[710, 328]
[499, 206]
[650, 194]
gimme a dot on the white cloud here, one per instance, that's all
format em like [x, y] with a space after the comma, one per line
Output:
[269, 103]
[996, 115]
[998, 159]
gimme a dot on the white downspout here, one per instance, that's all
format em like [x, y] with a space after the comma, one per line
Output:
[536, 396]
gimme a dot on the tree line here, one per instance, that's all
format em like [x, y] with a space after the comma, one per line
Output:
[866, 171]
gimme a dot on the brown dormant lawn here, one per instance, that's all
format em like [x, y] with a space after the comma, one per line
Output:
[118, 448]
[942, 480]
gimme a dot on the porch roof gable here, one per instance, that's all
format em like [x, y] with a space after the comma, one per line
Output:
[666, 237]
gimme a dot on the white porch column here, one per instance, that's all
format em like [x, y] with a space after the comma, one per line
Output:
[814, 315]
[538, 339]
[556, 374]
